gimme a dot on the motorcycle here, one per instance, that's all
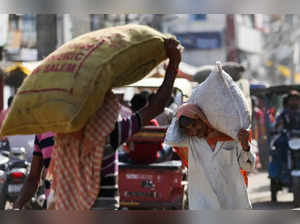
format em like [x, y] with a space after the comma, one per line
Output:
[283, 147]
[285, 165]
[14, 170]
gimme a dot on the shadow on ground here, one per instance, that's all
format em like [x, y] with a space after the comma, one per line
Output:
[272, 205]
[261, 189]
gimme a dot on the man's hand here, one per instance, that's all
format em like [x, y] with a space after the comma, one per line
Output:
[173, 52]
[243, 137]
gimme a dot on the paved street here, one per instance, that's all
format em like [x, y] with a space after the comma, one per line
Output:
[260, 194]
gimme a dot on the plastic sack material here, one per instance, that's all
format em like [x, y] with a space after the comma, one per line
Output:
[69, 86]
[223, 103]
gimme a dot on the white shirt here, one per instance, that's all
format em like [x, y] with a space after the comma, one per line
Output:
[214, 177]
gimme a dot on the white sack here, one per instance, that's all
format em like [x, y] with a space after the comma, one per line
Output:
[223, 103]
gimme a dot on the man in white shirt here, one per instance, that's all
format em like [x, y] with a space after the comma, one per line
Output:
[214, 163]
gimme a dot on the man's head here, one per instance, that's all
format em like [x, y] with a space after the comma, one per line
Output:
[293, 101]
[192, 120]
[193, 127]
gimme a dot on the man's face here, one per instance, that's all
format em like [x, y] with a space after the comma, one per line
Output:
[197, 128]
[294, 103]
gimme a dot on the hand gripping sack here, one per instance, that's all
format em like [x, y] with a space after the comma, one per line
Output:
[223, 103]
[69, 86]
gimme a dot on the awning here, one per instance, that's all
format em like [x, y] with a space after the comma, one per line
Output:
[25, 67]
[16, 72]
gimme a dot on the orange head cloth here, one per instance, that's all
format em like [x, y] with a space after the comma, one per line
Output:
[194, 112]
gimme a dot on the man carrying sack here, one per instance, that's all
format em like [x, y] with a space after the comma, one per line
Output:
[84, 165]
[214, 126]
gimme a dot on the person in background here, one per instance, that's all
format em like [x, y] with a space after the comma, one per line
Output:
[289, 117]
[145, 152]
[165, 118]
[43, 147]
[125, 111]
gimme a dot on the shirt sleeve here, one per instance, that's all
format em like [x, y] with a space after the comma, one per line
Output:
[175, 136]
[246, 159]
[37, 147]
[124, 129]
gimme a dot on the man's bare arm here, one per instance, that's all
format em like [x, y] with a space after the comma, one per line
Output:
[163, 95]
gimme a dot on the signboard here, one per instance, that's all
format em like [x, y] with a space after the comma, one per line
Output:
[249, 40]
[201, 40]
[198, 17]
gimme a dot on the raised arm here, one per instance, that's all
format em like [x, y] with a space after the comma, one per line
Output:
[163, 95]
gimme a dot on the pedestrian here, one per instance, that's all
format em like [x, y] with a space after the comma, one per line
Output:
[84, 166]
[214, 162]
[43, 147]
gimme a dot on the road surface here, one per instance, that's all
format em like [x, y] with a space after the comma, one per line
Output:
[260, 195]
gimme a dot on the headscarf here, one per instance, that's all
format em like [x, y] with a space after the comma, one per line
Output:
[194, 112]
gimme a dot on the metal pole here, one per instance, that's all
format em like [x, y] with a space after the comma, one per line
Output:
[291, 19]
[293, 64]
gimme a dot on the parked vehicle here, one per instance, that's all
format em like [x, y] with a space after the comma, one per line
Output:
[153, 186]
[284, 146]
[14, 169]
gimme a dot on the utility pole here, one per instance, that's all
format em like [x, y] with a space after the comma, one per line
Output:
[230, 39]
[294, 46]
[46, 26]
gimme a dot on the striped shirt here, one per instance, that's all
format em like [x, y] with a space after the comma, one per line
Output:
[109, 196]
[43, 146]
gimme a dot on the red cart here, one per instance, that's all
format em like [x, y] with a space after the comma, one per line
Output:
[152, 186]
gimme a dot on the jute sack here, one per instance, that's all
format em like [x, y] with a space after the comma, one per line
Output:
[69, 86]
[223, 103]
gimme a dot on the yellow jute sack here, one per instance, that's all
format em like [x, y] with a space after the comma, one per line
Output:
[69, 86]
